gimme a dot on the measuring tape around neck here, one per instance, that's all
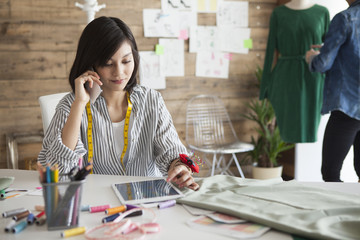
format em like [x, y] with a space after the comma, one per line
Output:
[126, 131]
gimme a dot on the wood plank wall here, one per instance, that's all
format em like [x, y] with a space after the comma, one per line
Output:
[38, 40]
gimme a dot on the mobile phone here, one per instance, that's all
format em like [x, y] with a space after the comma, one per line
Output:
[95, 91]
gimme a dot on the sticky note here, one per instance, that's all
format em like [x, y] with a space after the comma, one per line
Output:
[248, 43]
[159, 49]
[228, 56]
[184, 34]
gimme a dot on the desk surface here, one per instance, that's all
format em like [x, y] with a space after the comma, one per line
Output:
[97, 191]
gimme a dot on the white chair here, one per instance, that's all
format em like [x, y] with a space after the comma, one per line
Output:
[210, 131]
[48, 104]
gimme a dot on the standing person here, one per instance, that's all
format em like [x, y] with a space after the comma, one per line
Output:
[294, 92]
[127, 130]
[339, 57]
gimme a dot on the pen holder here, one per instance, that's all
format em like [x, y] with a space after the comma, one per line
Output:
[62, 204]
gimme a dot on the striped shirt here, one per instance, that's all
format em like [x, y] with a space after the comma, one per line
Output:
[154, 140]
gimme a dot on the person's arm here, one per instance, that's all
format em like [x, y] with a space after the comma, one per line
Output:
[53, 150]
[336, 36]
[71, 130]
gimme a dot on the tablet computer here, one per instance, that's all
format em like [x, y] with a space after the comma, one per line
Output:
[146, 191]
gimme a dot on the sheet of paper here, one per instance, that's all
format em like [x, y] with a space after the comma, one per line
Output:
[176, 5]
[186, 20]
[237, 43]
[212, 64]
[150, 70]
[173, 64]
[160, 24]
[207, 6]
[232, 13]
[204, 38]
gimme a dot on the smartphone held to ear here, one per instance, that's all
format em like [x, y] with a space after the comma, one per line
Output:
[94, 92]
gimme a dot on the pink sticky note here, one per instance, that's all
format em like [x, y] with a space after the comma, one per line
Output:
[228, 56]
[184, 34]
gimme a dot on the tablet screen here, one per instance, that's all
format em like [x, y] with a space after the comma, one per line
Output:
[146, 191]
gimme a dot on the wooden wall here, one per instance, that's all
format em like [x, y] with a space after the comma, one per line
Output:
[38, 40]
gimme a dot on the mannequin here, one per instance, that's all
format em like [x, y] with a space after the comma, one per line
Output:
[299, 4]
[294, 92]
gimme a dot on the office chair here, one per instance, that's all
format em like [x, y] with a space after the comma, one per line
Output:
[48, 104]
[209, 130]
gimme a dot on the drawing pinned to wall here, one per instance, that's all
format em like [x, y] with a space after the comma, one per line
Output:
[186, 20]
[233, 14]
[173, 57]
[212, 64]
[150, 70]
[160, 24]
[207, 6]
[171, 5]
[204, 38]
[237, 43]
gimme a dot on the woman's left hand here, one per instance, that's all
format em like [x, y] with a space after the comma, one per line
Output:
[181, 175]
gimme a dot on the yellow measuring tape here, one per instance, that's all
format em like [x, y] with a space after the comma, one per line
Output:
[126, 131]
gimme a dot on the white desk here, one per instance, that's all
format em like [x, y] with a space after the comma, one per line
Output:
[97, 191]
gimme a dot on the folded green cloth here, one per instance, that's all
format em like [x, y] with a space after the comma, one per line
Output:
[291, 207]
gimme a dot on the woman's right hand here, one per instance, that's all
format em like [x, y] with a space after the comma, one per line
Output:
[88, 77]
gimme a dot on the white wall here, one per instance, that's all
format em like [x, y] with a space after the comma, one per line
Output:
[308, 155]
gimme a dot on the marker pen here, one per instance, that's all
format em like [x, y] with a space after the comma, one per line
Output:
[39, 215]
[19, 227]
[99, 208]
[10, 225]
[40, 221]
[114, 210]
[114, 216]
[20, 216]
[167, 204]
[30, 219]
[73, 232]
[13, 212]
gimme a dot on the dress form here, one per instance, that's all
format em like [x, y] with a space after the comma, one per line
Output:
[299, 4]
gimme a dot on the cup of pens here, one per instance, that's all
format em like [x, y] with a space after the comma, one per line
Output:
[63, 198]
[62, 204]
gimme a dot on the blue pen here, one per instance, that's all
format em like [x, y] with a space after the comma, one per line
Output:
[48, 174]
[114, 216]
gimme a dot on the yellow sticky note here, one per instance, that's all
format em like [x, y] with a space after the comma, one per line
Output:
[159, 49]
[248, 43]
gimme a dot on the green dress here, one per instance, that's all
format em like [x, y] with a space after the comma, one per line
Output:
[295, 93]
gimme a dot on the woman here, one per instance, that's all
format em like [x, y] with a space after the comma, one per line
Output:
[127, 130]
[339, 57]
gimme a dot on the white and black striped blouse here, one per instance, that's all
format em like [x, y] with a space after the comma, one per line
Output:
[154, 140]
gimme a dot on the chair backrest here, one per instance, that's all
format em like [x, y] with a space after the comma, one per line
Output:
[48, 104]
[208, 123]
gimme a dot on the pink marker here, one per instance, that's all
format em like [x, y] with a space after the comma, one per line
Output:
[101, 208]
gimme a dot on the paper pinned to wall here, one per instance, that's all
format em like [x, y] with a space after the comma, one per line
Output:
[212, 64]
[204, 38]
[176, 5]
[186, 20]
[150, 70]
[173, 63]
[232, 13]
[160, 24]
[207, 6]
[237, 42]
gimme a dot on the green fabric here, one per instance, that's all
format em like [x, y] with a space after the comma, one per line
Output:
[295, 93]
[291, 207]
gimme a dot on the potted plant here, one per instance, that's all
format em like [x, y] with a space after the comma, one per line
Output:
[267, 144]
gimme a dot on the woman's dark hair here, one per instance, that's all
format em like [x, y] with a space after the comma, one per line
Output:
[99, 41]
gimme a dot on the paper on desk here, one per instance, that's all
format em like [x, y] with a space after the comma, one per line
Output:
[238, 230]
